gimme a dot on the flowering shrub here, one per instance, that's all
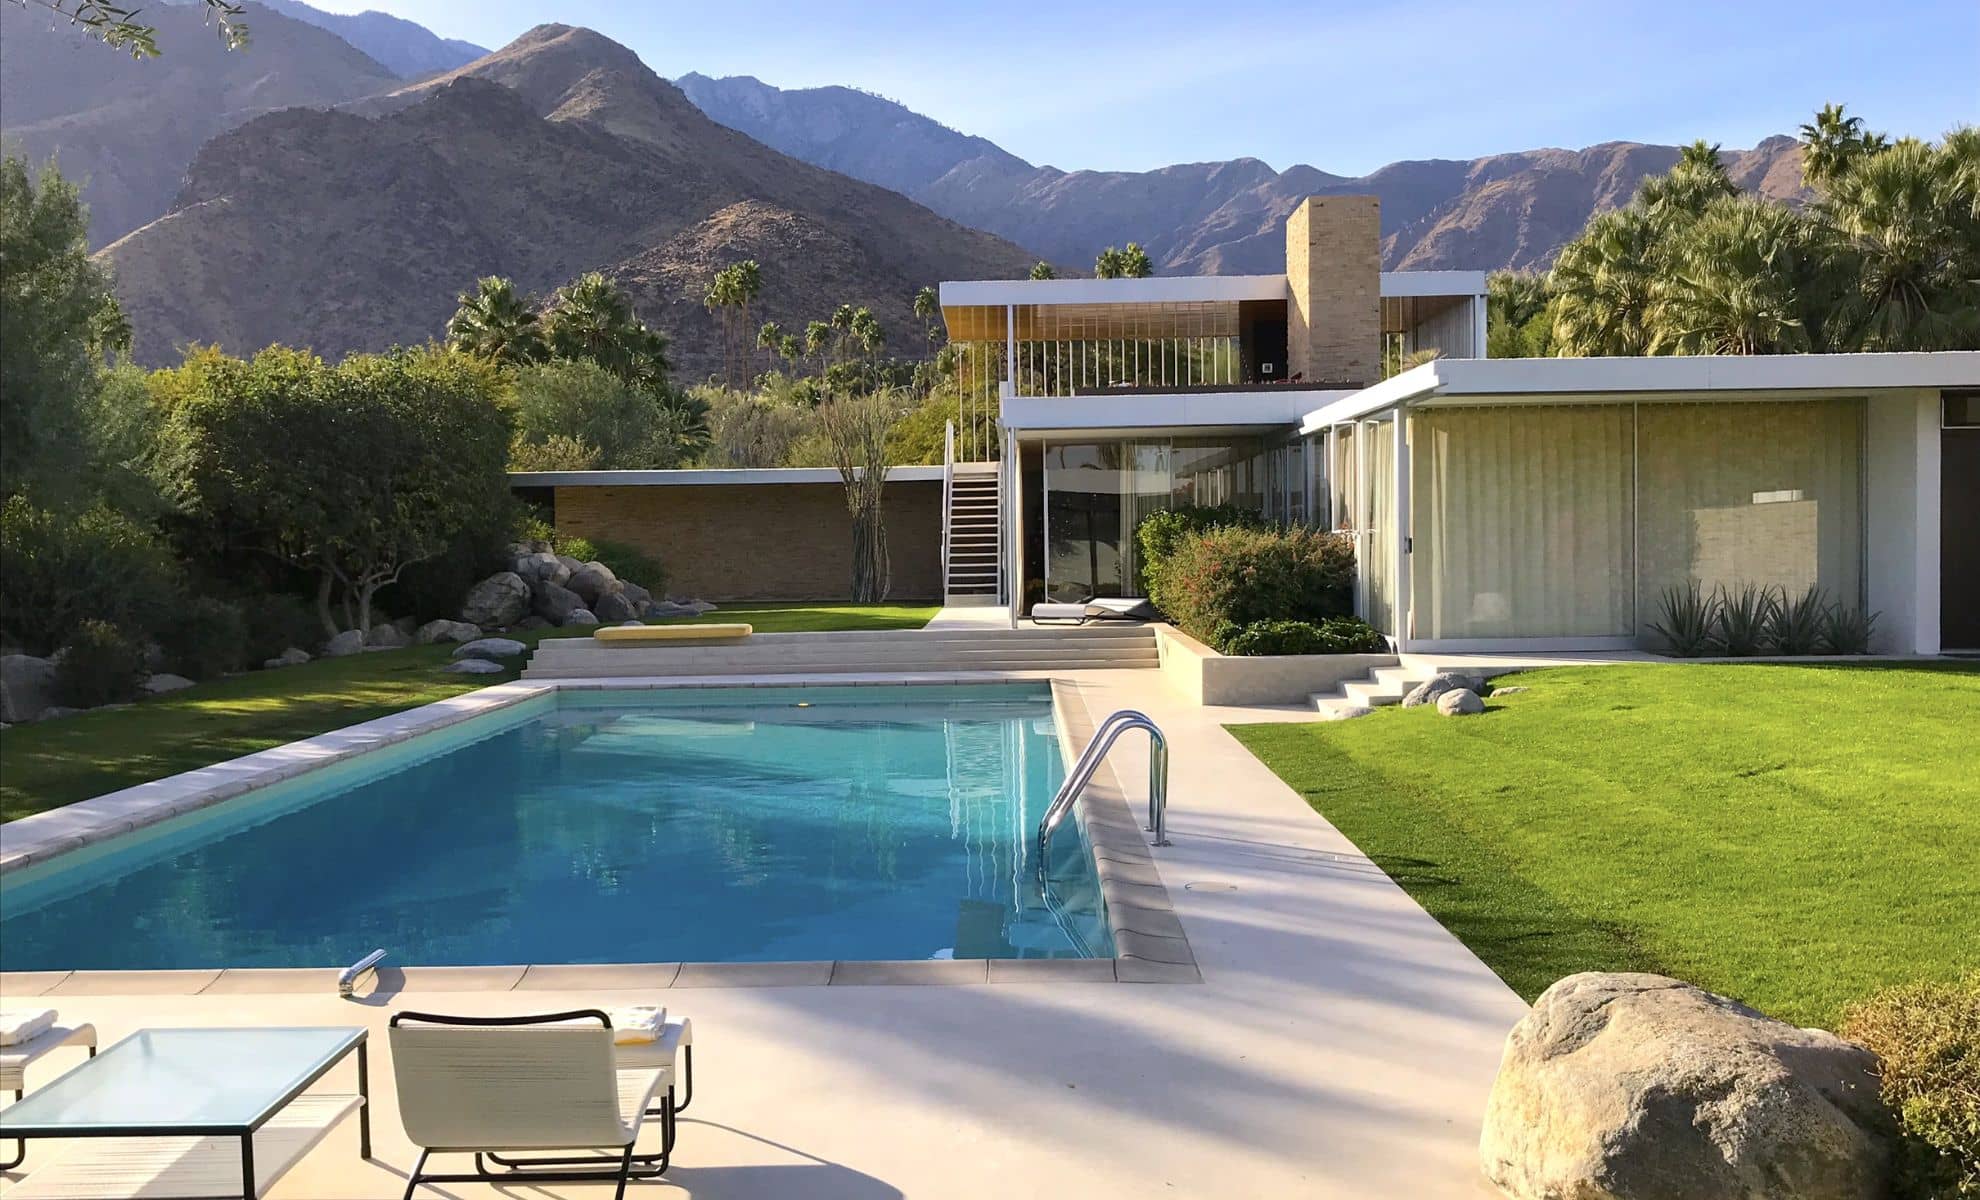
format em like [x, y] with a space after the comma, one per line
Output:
[1228, 576]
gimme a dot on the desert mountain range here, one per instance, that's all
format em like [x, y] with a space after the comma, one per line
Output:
[310, 191]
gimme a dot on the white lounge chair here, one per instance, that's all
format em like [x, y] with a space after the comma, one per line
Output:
[495, 1086]
[15, 1060]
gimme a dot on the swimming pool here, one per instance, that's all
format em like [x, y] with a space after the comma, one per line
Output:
[692, 825]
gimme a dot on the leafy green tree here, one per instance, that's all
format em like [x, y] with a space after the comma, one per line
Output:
[1739, 281]
[1131, 263]
[117, 27]
[1832, 143]
[352, 472]
[58, 322]
[497, 324]
[624, 427]
[1043, 270]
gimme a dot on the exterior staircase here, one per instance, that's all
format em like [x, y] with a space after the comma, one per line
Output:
[1388, 685]
[972, 556]
[900, 651]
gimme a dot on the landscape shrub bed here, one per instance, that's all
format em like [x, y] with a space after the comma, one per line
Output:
[1927, 1036]
[1159, 532]
[1754, 620]
[99, 664]
[58, 570]
[1335, 635]
[205, 638]
[1229, 577]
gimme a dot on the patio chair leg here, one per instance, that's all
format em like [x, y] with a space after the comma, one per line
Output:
[21, 1146]
[412, 1180]
[625, 1173]
[687, 1099]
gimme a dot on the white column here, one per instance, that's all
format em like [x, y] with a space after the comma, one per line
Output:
[1478, 329]
[1402, 519]
[1011, 512]
[1930, 417]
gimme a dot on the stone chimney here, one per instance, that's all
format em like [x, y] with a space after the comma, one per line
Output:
[1334, 273]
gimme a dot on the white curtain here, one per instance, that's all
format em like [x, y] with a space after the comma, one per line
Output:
[1521, 520]
[1379, 542]
[1766, 493]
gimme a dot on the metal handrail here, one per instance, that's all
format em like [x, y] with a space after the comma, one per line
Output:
[1081, 774]
[948, 494]
[347, 979]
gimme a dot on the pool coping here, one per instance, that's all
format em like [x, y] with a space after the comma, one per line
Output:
[1150, 944]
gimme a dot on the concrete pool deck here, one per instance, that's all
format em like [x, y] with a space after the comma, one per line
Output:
[1341, 1043]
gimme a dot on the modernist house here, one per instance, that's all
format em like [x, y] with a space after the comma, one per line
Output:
[1496, 504]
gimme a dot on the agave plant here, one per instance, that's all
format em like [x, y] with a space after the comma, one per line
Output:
[1797, 626]
[1847, 629]
[1745, 617]
[1687, 620]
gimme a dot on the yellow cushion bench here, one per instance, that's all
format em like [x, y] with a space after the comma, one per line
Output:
[651, 635]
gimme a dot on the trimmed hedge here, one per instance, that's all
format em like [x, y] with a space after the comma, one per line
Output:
[1228, 576]
[1927, 1036]
[1335, 635]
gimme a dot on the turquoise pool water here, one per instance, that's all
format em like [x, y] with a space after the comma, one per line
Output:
[705, 825]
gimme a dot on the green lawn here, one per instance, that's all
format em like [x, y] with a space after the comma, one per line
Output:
[50, 764]
[1793, 836]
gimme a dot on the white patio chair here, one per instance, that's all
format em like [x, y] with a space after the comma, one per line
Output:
[495, 1086]
[15, 1059]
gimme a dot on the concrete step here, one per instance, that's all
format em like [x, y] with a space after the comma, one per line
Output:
[1042, 633]
[606, 671]
[647, 656]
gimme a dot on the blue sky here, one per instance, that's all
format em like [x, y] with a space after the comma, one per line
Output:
[1346, 88]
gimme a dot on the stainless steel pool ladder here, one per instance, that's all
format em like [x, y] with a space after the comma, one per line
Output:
[347, 979]
[1096, 752]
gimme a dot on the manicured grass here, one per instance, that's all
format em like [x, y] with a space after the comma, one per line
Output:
[1794, 836]
[53, 763]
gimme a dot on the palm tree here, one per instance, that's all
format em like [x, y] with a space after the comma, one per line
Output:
[818, 341]
[1698, 178]
[748, 286]
[1603, 285]
[1043, 270]
[496, 324]
[1908, 245]
[928, 306]
[1131, 263]
[591, 318]
[1832, 143]
[1738, 283]
[867, 334]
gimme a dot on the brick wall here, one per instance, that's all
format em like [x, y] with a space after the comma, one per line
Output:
[772, 541]
[1334, 272]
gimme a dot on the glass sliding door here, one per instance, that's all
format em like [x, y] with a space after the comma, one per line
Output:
[1378, 540]
[1096, 493]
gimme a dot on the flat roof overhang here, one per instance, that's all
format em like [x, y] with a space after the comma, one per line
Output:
[711, 477]
[1460, 381]
[1114, 416]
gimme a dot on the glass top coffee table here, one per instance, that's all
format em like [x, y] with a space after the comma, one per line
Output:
[193, 1110]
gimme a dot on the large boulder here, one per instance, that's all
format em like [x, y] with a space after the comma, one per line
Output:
[501, 599]
[1463, 702]
[473, 666]
[553, 602]
[669, 608]
[583, 616]
[541, 568]
[614, 608]
[592, 580]
[294, 656]
[1640, 1087]
[1435, 686]
[158, 685]
[492, 648]
[26, 687]
[351, 641]
[387, 637]
[636, 595]
[570, 564]
[446, 631]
